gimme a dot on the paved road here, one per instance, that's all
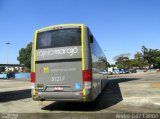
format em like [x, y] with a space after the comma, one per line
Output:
[130, 93]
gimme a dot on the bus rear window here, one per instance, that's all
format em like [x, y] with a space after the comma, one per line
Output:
[59, 38]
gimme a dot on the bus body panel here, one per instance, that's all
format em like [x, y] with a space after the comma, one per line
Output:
[60, 96]
[98, 64]
[59, 76]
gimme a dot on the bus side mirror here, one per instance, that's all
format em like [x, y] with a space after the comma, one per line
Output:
[91, 38]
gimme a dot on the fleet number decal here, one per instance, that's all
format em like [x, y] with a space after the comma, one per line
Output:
[58, 78]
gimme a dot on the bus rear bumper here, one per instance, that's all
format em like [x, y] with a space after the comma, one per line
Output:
[60, 96]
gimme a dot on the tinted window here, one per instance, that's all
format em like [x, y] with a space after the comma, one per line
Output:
[59, 38]
[98, 58]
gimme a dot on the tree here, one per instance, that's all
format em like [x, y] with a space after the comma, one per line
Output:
[138, 56]
[122, 60]
[25, 56]
[112, 65]
[148, 57]
[157, 63]
[121, 66]
[2, 69]
[134, 63]
[157, 60]
[139, 61]
[151, 56]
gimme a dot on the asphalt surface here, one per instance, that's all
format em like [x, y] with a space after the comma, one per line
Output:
[137, 93]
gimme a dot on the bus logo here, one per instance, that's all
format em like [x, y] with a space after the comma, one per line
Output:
[44, 70]
[62, 51]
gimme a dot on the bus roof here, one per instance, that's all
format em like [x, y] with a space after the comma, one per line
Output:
[59, 25]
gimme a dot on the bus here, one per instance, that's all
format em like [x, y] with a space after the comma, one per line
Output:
[67, 64]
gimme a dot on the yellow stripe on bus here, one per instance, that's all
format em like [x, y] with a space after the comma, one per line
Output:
[84, 95]
[84, 99]
[82, 42]
[84, 92]
[34, 62]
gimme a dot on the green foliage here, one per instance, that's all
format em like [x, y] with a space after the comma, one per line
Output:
[112, 65]
[25, 56]
[120, 66]
[157, 60]
[148, 57]
[138, 60]
[108, 64]
[151, 56]
[2, 69]
[133, 63]
[138, 56]
[26, 69]
[122, 61]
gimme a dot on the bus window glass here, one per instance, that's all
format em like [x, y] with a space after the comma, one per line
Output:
[98, 58]
[44, 40]
[59, 38]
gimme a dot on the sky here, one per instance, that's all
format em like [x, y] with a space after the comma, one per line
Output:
[119, 26]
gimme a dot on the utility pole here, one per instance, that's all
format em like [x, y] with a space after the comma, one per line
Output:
[7, 51]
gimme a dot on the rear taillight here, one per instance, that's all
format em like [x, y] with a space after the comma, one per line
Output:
[33, 77]
[86, 75]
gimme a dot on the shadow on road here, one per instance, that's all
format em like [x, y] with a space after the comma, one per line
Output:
[110, 96]
[121, 80]
[15, 95]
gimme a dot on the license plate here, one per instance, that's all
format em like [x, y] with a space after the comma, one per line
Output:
[58, 89]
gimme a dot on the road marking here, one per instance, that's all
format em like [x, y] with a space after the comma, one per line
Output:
[140, 97]
[155, 85]
[156, 103]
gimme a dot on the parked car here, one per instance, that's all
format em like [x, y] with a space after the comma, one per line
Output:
[116, 71]
[3, 75]
[133, 71]
[121, 71]
[104, 72]
[124, 71]
[110, 73]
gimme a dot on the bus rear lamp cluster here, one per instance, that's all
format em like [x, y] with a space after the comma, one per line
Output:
[86, 76]
[33, 77]
[87, 79]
